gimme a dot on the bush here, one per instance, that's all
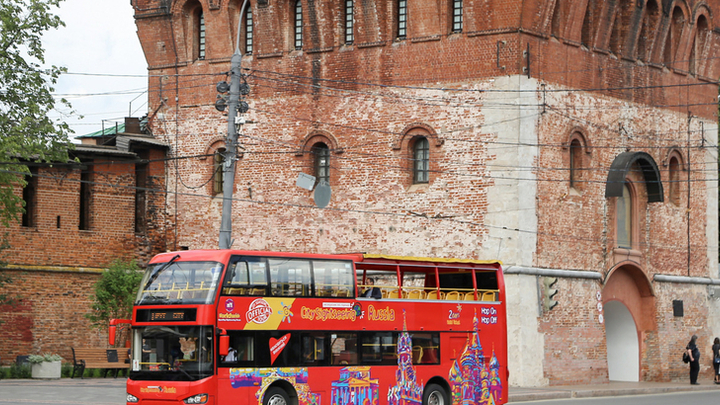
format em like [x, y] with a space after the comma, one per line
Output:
[20, 371]
[40, 358]
[66, 370]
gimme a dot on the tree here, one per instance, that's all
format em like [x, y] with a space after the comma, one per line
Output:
[27, 133]
[115, 293]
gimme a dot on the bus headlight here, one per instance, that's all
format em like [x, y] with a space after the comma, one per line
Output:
[197, 399]
[131, 398]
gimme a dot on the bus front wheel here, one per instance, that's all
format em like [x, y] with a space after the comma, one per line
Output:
[276, 396]
[435, 395]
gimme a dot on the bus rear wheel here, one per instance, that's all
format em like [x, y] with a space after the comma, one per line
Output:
[435, 395]
[276, 396]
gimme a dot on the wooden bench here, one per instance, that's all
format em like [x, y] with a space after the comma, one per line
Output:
[103, 358]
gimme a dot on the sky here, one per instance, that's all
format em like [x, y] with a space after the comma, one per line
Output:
[107, 71]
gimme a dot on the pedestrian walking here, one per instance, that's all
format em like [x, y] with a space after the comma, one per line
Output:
[716, 359]
[694, 354]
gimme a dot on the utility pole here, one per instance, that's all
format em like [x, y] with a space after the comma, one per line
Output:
[233, 103]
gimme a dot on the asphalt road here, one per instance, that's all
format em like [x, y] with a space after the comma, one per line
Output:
[91, 391]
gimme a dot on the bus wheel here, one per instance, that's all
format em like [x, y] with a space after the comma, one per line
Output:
[276, 396]
[435, 395]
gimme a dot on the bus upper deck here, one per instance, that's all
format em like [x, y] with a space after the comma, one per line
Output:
[194, 277]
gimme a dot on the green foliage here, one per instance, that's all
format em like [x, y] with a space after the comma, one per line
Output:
[66, 370]
[28, 133]
[115, 293]
[4, 278]
[40, 358]
[18, 371]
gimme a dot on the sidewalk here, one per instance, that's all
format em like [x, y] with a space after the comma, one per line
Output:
[614, 388]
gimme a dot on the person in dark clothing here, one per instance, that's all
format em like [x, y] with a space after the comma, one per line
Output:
[716, 359]
[694, 354]
[372, 291]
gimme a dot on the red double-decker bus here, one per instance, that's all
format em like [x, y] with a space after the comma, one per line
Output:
[268, 328]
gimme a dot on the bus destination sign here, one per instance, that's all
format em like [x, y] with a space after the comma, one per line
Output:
[166, 315]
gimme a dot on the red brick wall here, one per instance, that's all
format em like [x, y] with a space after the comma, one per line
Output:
[53, 269]
[367, 96]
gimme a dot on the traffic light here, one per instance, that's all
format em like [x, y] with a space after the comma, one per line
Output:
[549, 292]
[221, 102]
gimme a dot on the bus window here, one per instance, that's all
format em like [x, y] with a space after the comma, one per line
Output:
[242, 350]
[248, 276]
[313, 349]
[333, 278]
[290, 278]
[379, 348]
[386, 281]
[425, 348]
[343, 349]
[413, 285]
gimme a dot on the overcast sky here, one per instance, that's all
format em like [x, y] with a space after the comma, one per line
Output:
[106, 66]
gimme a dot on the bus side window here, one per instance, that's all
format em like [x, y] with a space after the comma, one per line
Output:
[343, 348]
[242, 349]
[313, 349]
[379, 347]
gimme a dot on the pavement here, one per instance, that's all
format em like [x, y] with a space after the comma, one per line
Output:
[111, 391]
[610, 389]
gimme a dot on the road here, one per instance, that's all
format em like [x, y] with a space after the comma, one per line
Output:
[694, 398]
[91, 391]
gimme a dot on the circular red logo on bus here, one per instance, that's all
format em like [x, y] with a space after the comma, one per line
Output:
[259, 311]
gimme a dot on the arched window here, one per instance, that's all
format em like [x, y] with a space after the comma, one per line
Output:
[200, 32]
[588, 27]
[624, 218]
[421, 160]
[674, 180]
[557, 23]
[618, 36]
[457, 15]
[696, 51]
[248, 29]
[647, 32]
[298, 25]
[576, 163]
[321, 158]
[349, 21]
[677, 22]
[218, 171]
[401, 19]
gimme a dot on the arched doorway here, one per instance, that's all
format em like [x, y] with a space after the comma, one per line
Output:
[629, 313]
[623, 354]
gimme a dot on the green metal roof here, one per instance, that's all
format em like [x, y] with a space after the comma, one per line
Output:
[112, 130]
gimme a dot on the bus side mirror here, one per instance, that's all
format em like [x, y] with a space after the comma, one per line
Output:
[111, 335]
[224, 345]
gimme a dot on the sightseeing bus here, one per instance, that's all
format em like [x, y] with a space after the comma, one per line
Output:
[269, 328]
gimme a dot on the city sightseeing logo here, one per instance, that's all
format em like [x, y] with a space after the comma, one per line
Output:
[229, 305]
[259, 311]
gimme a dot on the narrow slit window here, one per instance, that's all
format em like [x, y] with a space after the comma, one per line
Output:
[421, 160]
[248, 30]
[457, 13]
[218, 171]
[402, 19]
[349, 11]
[322, 162]
[201, 36]
[30, 198]
[298, 25]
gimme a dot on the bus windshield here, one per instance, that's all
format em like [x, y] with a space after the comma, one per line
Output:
[176, 282]
[177, 353]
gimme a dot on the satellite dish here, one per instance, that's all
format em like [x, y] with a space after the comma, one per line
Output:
[322, 194]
